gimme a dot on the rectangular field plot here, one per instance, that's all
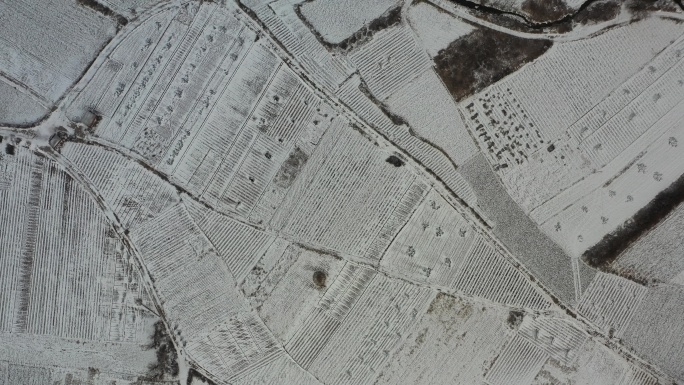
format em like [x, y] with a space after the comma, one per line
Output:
[453, 341]
[286, 287]
[337, 20]
[655, 329]
[437, 246]
[390, 61]
[432, 246]
[50, 58]
[131, 190]
[611, 302]
[239, 245]
[430, 111]
[347, 191]
[19, 107]
[373, 328]
[576, 221]
[541, 153]
[58, 356]
[518, 363]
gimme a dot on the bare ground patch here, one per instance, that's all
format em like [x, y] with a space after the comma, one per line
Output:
[484, 57]
[599, 12]
[545, 11]
[641, 8]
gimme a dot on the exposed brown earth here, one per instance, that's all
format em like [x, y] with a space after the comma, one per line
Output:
[484, 57]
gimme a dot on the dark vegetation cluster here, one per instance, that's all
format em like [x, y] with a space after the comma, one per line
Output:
[395, 161]
[194, 374]
[166, 365]
[554, 16]
[291, 168]
[319, 278]
[483, 57]
[97, 7]
[598, 12]
[545, 11]
[495, 15]
[388, 19]
[602, 254]
[515, 318]
[641, 8]
[535, 16]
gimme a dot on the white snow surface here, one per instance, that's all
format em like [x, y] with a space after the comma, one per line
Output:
[337, 20]
[260, 208]
[435, 29]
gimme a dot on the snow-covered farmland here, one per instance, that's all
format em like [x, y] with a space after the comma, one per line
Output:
[585, 166]
[19, 107]
[560, 79]
[49, 57]
[438, 246]
[72, 297]
[657, 328]
[347, 194]
[337, 20]
[455, 340]
[657, 256]
[434, 28]
[399, 74]
[628, 185]
[317, 192]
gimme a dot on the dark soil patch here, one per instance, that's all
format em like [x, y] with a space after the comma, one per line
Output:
[632, 275]
[641, 8]
[319, 278]
[166, 366]
[482, 58]
[515, 318]
[545, 11]
[291, 167]
[602, 254]
[394, 161]
[599, 12]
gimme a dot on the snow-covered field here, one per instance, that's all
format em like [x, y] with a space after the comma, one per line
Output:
[435, 28]
[19, 107]
[219, 192]
[587, 164]
[45, 46]
[664, 250]
[337, 20]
